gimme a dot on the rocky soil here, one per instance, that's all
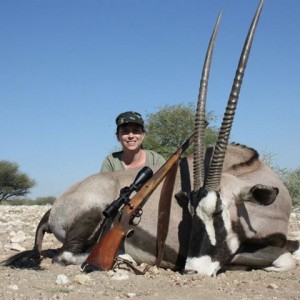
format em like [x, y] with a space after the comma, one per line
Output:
[17, 229]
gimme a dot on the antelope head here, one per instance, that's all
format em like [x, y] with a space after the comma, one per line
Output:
[206, 252]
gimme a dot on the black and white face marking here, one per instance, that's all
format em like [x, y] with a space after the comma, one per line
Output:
[212, 239]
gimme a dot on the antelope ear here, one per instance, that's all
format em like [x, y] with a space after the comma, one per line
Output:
[264, 194]
[259, 194]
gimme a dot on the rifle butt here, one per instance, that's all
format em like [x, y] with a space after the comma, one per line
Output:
[102, 256]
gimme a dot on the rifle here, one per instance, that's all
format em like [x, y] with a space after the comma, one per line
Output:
[112, 210]
[102, 256]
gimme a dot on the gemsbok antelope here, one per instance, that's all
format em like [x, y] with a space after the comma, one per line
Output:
[228, 209]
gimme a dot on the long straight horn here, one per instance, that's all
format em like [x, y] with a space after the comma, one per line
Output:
[214, 175]
[200, 122]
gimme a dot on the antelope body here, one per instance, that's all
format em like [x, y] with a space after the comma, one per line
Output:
[228, 209]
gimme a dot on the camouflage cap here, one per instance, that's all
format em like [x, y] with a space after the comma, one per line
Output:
[129, 117]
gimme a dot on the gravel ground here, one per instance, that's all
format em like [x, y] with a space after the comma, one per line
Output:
[17, 229]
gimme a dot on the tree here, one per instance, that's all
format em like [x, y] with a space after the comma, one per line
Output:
[12, 181]
[171, 125]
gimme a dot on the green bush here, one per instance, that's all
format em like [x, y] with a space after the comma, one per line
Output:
[292, 181]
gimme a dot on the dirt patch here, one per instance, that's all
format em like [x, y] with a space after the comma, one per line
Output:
[17, 229]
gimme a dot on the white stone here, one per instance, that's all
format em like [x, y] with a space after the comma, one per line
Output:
[131, 295]
[62, 279]
[13, 287]
[120, 276]
[82, 278]
[16, 247]
[18, 237]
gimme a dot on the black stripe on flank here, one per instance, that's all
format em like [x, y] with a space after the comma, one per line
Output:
[146, 242]
[79, 236]
[275, 240]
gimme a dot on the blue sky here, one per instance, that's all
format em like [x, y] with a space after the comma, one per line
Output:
[67, 68]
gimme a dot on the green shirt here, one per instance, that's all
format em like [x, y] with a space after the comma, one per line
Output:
[113, 162]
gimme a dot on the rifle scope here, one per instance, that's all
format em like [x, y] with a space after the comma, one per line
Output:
[142, 176]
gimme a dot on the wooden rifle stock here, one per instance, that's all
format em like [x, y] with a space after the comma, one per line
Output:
[104, 253]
